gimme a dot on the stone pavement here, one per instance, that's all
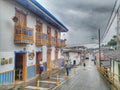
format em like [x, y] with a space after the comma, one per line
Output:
[80, 78]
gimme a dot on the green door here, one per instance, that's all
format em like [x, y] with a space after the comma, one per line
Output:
[119, 71]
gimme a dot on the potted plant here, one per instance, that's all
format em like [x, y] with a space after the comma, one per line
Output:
[15, 19]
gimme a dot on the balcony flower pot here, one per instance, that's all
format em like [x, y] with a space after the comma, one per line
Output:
[15, 19]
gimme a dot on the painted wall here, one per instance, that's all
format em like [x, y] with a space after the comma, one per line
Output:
[65, 56]
[112, 66]
[7, 29]
[59, 53]
[74, 56]
[44, 53]
[53, 53]
[31, 55]
[7, 46]
[7, 32]
[6, 61]
[116, 69]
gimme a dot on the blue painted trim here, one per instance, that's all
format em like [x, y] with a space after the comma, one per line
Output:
[6, 78]
[31, 72]
[21, 10]
[44, 14]
[21, 52]
[38, 51]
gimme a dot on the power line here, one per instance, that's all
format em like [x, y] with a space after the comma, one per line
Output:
[110, 23]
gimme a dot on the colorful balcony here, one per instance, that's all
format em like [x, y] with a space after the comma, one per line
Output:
[44, 39]
[39, 40]
[53, 41]
[23, 35]
[63, 43]
[49, 41]
[58, 43]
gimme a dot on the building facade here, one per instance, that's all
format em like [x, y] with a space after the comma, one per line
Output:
[74, 54]
[29, 33]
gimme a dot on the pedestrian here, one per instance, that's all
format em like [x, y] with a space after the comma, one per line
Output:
[84, 65]
[67, 66]
[94, 62]
[70, 66]
[41, 67]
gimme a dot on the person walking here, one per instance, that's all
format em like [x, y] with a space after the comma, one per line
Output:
[84, 65]
[67, 66]
[41, 67]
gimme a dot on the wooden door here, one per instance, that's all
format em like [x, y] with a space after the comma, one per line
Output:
[49, 60]
[24, 67]
[38, 58]
[56, 58]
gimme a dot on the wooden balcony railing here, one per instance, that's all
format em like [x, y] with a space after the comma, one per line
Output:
[49, 41]
[58, 43]
[44, 39]
[63, 43]
[39, 40]
[53, 41]
[23, 35]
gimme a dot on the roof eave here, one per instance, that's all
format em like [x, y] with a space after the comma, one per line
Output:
[40, 11]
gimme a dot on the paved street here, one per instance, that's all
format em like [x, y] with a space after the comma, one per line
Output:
[86, 79]
[80, 78]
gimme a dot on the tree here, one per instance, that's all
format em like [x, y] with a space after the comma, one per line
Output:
[112, 42]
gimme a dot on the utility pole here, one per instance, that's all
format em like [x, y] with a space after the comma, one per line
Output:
[99, 48]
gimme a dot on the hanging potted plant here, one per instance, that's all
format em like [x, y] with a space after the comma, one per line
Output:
[15, 19]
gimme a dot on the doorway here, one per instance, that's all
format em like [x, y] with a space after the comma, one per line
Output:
[56, 58]
[38, 58]
[20, 66]
[49, 67]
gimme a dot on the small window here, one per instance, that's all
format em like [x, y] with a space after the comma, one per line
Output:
[29, 33]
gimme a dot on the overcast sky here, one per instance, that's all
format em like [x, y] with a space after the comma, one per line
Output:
[83, 18]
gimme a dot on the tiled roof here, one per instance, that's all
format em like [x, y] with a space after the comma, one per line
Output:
[114, 55]
[105, 63]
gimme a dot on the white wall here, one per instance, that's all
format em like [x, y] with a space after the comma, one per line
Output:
[65, 56]
[44, 53]
[74, 56]
[116, 70]
[112, 66]
[53, 53]
[7, 12]
[30, 48]
[59, 53]
[44, 28]
[7, 56]
[52, 32]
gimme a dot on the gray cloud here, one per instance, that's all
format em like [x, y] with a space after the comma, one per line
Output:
[82, 17]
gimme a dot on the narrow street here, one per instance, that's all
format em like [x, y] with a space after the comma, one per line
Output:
[80, 78]
[86, 79]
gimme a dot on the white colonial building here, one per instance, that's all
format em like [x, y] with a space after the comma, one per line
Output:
[28, 34]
